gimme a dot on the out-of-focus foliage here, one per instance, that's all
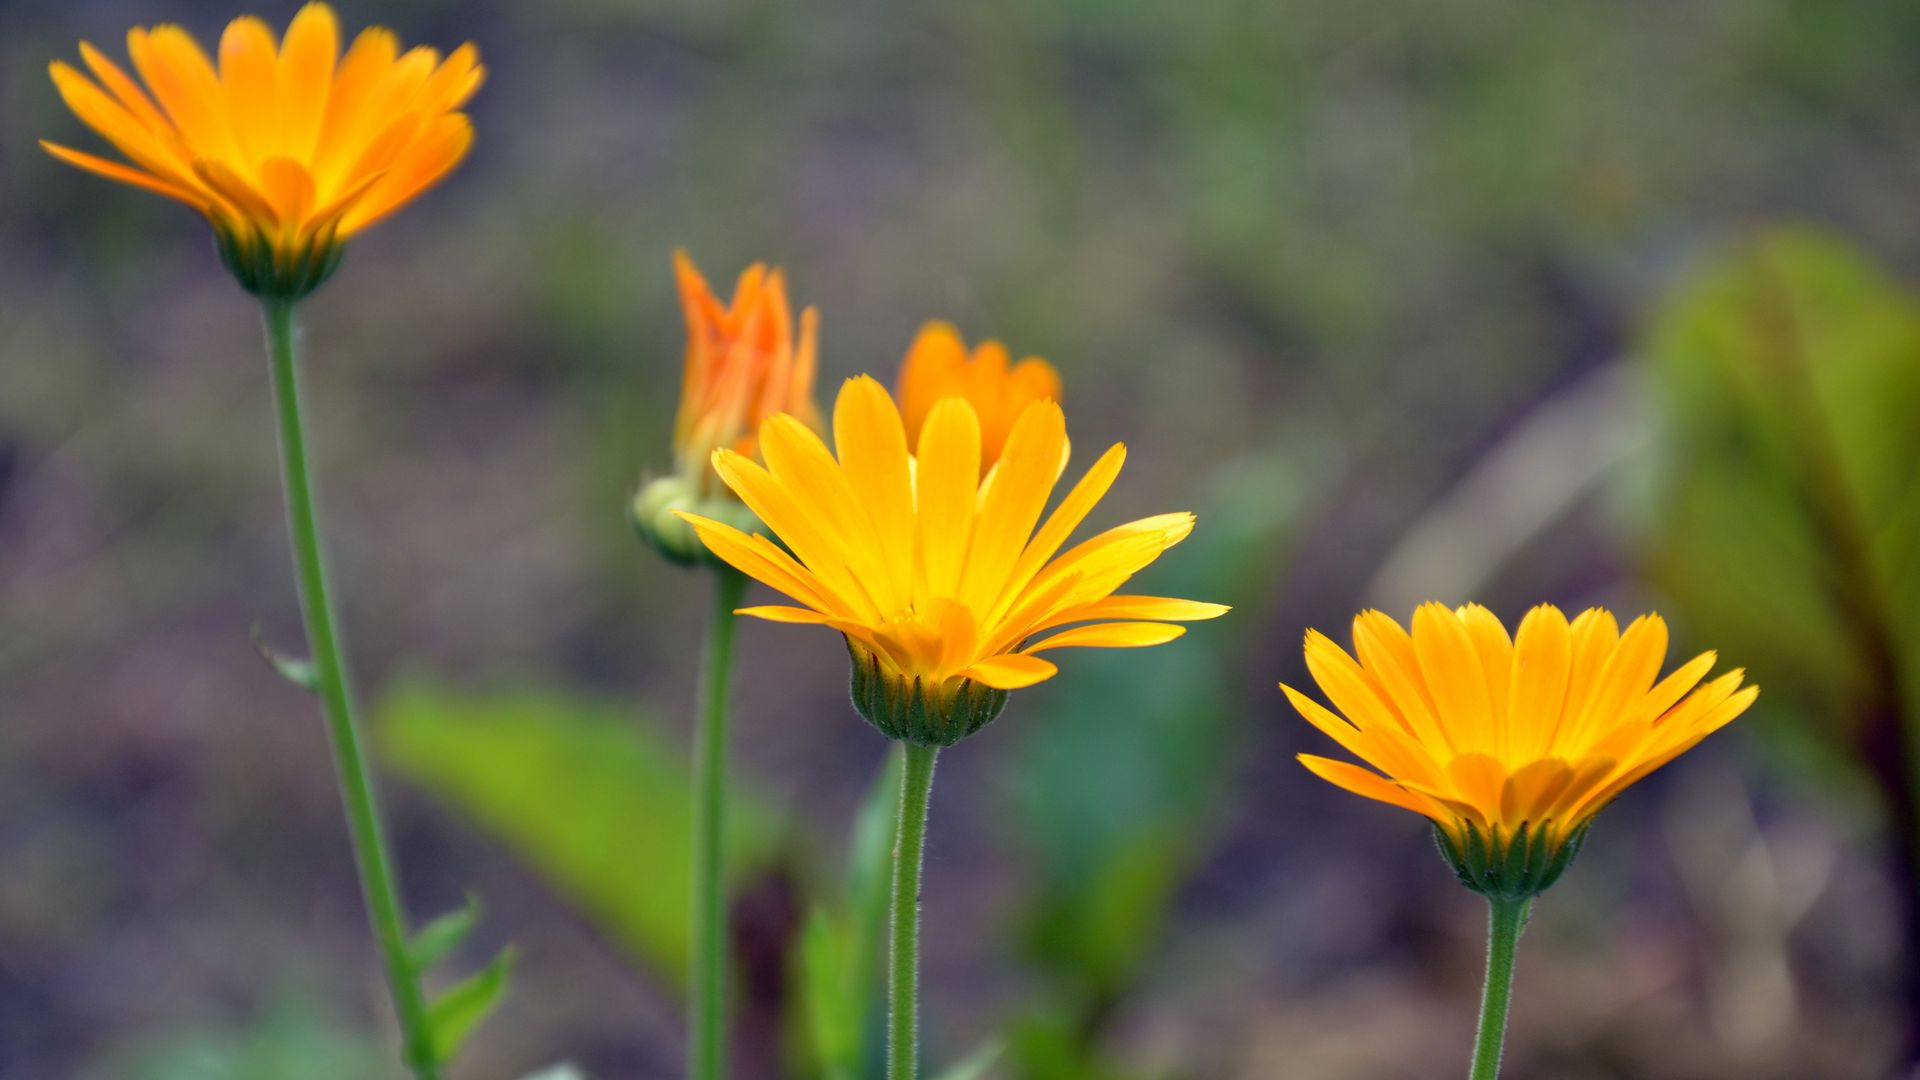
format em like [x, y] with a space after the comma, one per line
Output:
[452, 1015]
[579, 789]
[291, 1042]
[1789, 522]
[1119, 784]
[974, 1065]
[841, 979]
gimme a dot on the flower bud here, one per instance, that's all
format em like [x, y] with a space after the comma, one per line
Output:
[654, 517]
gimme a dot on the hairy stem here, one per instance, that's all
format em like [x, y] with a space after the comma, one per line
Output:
[377, 879]
[909, 849]
[1506, 918]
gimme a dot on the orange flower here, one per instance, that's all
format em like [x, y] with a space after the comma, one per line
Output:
[946, 586]
[937, 366]
[288, 147]
[743, 365]
[1504, 740]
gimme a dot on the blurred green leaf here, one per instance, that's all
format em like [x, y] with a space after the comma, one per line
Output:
[1118, 787]
[1789, 520]
[976, 1064]
[296, 670]
[840, 947]
[833, 1025]
[1050, 1044]
[455, 1013]
[584, 791]
[436, 940]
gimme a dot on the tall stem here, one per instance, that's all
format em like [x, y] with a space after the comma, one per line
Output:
[903, 976]
[377, 885]
[707, 989]
[1506, 918]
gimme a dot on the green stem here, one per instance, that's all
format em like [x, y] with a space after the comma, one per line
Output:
[909, 850]
[707, 990]
[1506, 918]
[350, 764]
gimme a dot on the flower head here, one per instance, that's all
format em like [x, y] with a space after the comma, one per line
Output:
[743, 365]
[938, 366]
[288, 148]
[945, 585]
[1509, 745]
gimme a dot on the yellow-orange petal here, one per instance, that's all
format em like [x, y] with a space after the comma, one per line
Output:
[948, 472]
[1368, 784]
[1010, 671]
[113, 170]
[1119, 635]
[1143, 608]
[782, 613]
[1024, 477]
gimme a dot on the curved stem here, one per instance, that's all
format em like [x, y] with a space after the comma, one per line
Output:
[1506, 918]
[903, 977]
[707, 981]
[377, 885]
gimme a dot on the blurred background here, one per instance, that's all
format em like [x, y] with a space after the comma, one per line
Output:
[1588, 302]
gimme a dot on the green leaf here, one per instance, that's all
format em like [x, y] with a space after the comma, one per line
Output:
[296, 670]
[585, 791]
[976, 1064]
[436, 940]
[454, 1014]
[1788, 507]
[840, 974]
[869, 873]
[1113, 815]
[834, 1020]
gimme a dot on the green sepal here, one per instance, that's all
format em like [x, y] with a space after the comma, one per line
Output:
[300, 672]
[266, 271]
[1509, 867]
[911, 709]
[454, 1014]
[437, 940]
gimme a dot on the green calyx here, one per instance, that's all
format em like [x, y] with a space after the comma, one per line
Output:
[654, 513]
[1509, 866]
[912, 710]
[272, 272]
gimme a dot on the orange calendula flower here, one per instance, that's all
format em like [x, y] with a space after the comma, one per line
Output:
[1509, 745]
[946, 585]
[744, 364]
[288, 147]
[938, 366]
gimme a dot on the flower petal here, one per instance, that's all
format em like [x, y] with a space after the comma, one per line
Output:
[1010, 671]
[1119, 635]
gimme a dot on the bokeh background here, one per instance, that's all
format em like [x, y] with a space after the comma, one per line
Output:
[1587, 302]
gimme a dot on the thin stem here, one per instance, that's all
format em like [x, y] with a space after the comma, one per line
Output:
[909, 850]
[707, 989]
[1506, 918]
[350, 765]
